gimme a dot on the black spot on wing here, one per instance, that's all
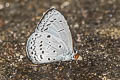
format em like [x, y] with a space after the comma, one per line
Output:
[41, 57]
[46, 29]
[48, 36]
[40, 45]
[59, 46]
[54, 51]
[51, 21]
[60, 30]
[48, 58]
[42, 52]
[35, 58]
[60, 21]
[31, 52]
[40, 48]
[47, 24]
[36, 34]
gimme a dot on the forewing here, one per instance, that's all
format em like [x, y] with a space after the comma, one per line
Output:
[54, 23]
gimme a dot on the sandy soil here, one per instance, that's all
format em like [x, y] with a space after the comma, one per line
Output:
[95, 27]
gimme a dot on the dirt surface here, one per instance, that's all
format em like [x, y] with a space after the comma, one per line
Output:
[95, 27]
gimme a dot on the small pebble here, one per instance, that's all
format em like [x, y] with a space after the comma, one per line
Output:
[1, 6]
[66, 3]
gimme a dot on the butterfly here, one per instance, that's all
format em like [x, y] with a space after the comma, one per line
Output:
[51, 41]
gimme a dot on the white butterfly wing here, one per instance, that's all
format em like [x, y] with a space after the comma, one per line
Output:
[45, 48]
[54, 22]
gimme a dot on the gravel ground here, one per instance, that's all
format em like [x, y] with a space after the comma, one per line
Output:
[95, 27]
